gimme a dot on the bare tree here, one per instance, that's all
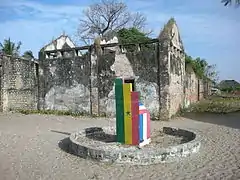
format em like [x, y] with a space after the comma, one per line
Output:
[139, 20]
[108, 15]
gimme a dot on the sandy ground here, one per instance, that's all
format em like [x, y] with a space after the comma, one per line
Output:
[29, 150]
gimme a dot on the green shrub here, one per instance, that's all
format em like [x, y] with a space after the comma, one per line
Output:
[217, 105]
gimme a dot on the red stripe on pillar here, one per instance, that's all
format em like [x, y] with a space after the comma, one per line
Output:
[143, 111]
[135, 118]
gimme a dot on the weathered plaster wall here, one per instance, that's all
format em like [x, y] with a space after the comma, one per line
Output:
[177, 76]
[172, 70]
[64, 84]
[177, 71]
[191, 88]
[1, 102]
[144, 64]
[18, 84]
[202, 85]
[195, 89]
[159, 71]
[138, 64]
[115, 62]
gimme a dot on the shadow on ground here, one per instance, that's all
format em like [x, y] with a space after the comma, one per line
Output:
[230, 120]
[97, 133]
[64, 145]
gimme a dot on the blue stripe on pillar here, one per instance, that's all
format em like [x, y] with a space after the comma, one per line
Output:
[141, 127]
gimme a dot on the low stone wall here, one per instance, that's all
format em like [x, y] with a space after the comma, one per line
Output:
[84, 146]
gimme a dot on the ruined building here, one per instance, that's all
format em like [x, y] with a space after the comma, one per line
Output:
[68, 79]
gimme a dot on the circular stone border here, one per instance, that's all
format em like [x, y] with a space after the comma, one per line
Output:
[133, 155]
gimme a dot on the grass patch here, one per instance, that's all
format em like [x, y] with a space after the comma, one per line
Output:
[217, 104]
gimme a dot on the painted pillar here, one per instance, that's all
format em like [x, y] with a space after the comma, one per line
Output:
[119, 110]
[132, 118]
[144, 125]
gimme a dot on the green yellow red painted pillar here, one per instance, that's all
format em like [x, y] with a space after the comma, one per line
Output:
[132, 118]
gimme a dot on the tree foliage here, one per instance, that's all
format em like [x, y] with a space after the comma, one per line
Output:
[202, 68]
[108, 15]
[10, 48]
[131, 35]
[28, 55]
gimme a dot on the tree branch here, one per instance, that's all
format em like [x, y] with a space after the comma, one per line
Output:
[107, 15]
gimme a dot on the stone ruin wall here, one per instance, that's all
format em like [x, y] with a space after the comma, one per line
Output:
[159, 72]
[176, 72]
[142, 66]
[1, 102]
[172, 70]
[191, 89]
[64, 84]
[195, 89]
[18, 78]
[85, 82]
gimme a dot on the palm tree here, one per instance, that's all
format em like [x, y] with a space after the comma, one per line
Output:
[28, 55]
[229, 2]
[10, 48]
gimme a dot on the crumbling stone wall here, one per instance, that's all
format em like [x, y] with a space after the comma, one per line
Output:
[18, 84]
[159, 71]
[195, 89]
[140, 64]
[97, 80]
[64, 83]
[1, 102]
[191, 88]
[201, 89]
[70, 79]
[173, 60]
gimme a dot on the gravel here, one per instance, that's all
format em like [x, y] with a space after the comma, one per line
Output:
[32, 147]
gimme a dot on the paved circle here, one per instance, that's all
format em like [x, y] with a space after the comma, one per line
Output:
[29, 149]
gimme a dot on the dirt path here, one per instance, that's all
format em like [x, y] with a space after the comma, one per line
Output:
[29, 150]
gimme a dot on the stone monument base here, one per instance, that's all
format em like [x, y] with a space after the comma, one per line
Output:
[167, 145]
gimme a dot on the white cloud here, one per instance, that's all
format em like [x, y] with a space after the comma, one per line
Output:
[43, 10]
[39, 23]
